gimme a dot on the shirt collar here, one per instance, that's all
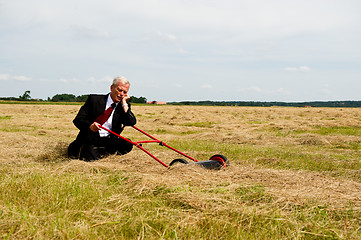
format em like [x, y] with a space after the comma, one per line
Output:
[109, 102]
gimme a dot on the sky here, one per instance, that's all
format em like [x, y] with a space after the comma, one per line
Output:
[183, 50]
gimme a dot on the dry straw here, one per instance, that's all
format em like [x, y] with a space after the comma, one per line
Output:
[285, 162]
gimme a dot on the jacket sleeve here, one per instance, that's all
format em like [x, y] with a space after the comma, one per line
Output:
[130, 119]
[84, 118]
[123, 119]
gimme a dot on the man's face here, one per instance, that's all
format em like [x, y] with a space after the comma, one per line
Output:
[119, 91]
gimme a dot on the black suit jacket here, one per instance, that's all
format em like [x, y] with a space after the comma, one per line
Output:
[93, 107]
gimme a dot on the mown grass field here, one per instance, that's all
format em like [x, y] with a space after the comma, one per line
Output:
[294, 174]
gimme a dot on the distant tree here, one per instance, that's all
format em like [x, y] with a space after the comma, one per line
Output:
[64, 98]
[25, 96]
[137, 100]
[82, 98]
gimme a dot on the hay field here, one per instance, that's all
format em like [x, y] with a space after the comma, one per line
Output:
[294, 174]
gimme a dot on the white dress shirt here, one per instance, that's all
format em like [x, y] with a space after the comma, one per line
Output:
[108, 123]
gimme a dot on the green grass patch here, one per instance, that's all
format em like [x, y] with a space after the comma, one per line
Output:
[44, 195]
[19, 128]
[253, 194]
[200, 124]
[5, 117]
[352, 145]
[308, 158]
[339, 130]
[185, 133]
[257, 122]
[158, 131]
[283, 132]
[105, 204]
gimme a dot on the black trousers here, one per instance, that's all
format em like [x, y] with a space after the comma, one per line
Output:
[98, 148]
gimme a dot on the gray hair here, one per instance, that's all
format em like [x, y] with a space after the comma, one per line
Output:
[123, 80]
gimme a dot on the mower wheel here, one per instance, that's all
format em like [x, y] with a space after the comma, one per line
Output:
[220, 158]
[178, 160]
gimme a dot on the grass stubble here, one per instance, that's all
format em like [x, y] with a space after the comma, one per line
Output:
[294, 174]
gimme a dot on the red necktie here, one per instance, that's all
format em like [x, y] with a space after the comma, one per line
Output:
[105, 115]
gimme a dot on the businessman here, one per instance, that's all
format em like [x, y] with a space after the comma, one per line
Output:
[111, 111]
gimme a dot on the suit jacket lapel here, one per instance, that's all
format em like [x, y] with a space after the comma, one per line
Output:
[116, 114]
[100, 107]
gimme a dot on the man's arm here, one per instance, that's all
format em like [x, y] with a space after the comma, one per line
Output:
[83, 119]
[128, 116]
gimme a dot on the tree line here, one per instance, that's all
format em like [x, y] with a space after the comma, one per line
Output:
[355, 104]
[82, 98]
[65, 97]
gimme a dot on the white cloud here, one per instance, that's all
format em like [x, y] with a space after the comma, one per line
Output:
[68, 80]
[182, 51]
[284, 91]
[297, 69]
[257, 90]
[326, 89]
[105, 80]
[63, 80]
[158, 36]
[4, 77]
[167, 36]
[21, 78]
[304, 69]
[7, 77]
[238, 41]
[254, 89]
[90, 32]
[92, 80]
[207, 86]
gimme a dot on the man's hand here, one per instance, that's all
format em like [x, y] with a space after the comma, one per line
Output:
[125, 98]
[95, 127]
[124, 102]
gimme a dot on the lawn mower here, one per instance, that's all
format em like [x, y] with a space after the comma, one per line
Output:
[215, 162]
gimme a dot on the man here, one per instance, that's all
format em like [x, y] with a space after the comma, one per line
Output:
[92, 141]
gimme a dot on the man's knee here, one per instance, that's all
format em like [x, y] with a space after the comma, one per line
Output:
[74, 150]
[127, 147]
[89, 153]
[122, 147]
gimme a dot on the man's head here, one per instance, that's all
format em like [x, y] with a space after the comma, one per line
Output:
[119, 89]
